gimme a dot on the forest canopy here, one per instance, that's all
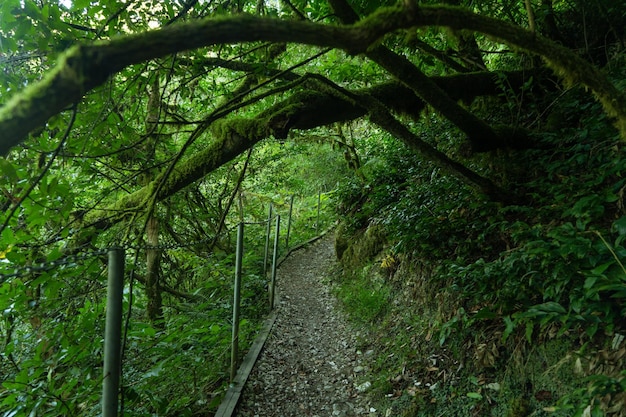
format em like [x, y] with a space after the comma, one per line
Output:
[85, 66]
[124, 122]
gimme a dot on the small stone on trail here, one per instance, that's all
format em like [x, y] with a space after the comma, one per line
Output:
[364, 386]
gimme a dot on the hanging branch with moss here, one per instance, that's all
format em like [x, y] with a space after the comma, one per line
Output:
[306, 109]
[84, 67]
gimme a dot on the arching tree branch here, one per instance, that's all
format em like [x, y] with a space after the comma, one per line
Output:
[85, 67]
[303, 110]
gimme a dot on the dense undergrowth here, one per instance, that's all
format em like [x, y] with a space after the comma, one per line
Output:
[482, 308]
[52, 347]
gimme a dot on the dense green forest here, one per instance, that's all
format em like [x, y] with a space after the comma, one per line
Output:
[467, 155]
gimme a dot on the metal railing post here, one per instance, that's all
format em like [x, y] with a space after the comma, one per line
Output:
[319, 203]
[268, 232]
[289, 223]
[236, 302]
[113, 334]
[274, 261]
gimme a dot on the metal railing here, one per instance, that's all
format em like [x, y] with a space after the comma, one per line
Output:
[113, 348]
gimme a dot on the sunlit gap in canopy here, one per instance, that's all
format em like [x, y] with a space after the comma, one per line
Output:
[275, 4]
[272, 4]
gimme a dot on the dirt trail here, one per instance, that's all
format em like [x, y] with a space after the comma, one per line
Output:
[310, 365]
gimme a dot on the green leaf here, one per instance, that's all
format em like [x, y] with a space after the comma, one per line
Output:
[619, 290]
[474, 395]
[32, 10]
[590, 282]
[485, 313]
[530, 326]
[12, 385]
[549, 307]
[599, 270]
[80, 4]
[591, 329]
[155, 371]
[8, 170]
[619, 226]
[7, 239]
[508, 329]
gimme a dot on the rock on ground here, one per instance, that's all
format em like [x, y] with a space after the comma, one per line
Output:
[310, 365]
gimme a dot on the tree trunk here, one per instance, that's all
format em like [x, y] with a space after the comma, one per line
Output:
[531, 16]
[480, 134]
[154, 307]
[303, 110]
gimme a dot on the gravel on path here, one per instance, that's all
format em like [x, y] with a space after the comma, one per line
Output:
[310, 365]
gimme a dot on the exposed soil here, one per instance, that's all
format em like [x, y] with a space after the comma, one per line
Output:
[310, 365]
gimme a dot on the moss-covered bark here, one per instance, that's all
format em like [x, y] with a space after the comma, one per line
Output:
[479, 133]
[481, 136]
[85, 67]
[566, 63]
[378, 114]
[303, 110]
[154, 305]
[229, 140]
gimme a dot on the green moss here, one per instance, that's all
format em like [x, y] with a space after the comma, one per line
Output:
[197, 166]
[248, 128]
[363, 247]
[341, 240]
[518, 407]
[294, 105]
[384, 16]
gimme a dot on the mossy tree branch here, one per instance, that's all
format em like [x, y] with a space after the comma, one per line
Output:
[481, 136]
[566, 63]
[379, 115]
[303, 110]
[479, 133]
[84, 67]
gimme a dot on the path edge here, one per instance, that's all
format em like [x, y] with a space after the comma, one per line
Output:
[302, 245]
[231, 399]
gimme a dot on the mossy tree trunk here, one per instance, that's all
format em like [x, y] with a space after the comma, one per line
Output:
[480, 134]
[84, 67]
[154, 306]
[306, 109]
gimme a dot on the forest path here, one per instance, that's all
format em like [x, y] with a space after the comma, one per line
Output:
[310, 365]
